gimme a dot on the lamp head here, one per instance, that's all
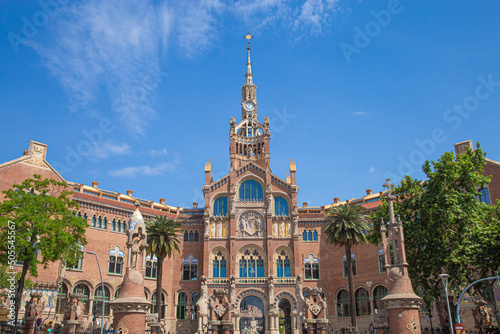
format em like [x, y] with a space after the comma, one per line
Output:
[444, 278]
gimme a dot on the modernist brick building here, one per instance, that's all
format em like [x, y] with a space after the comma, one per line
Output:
[251, 257]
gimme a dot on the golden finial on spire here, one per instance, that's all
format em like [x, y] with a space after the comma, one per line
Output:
[248, 37]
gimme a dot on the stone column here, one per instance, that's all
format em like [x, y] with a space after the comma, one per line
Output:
[33, 310]
[73, 313]
[401, 302]
[131, 307]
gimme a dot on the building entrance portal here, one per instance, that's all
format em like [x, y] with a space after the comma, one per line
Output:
[285, 317]
[252, 316]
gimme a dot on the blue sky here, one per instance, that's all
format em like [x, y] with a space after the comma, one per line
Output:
[137, 94]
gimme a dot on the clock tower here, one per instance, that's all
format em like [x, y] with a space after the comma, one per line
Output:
[249, 138]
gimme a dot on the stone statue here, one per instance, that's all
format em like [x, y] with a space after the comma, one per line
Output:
[232, 123]
[288, 229]
[226, 229]
[282, 229]
[219, 229]
[232, 288]
[207, 227]
[483, 315]
[275, 229]
[213, 229]
[136, 251]
[266, 126]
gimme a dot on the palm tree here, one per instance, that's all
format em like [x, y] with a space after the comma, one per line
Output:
[347, 227]
[163, 240]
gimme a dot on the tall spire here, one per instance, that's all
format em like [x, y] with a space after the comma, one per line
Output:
[249, 91]
[248, 75]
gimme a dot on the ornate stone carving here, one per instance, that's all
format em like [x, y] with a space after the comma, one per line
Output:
[250, 224]
[401, 303]
[152, 317]
[94, 282]
[220, 310]
[413, 327]
[121, 327]
[315, 308]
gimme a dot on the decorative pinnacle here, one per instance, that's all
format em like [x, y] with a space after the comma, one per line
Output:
[248, 75]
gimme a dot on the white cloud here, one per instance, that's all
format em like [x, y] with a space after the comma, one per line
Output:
[146, 170]
[314, 14]
[359, 113]
[109, 147]
[156, 153]
[372, 169]
[108, 46]
[197, 25]
[114, 50]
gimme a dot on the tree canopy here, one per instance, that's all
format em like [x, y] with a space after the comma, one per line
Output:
[447, 228]
[38, 223]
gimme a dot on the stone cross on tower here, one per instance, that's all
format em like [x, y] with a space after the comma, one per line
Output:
[401, 302]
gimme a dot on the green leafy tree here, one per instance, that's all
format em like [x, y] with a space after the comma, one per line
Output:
[163, 241]
[38, 227]
[347, 227]
[446, 227]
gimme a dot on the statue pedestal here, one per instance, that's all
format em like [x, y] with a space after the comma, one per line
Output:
[402, 306]
[71, 326]
[29, 324]
[129, 310]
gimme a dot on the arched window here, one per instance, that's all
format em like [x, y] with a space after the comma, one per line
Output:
[379, 292]
[315, 235]
[280, 206]
[153, 306]
[251, 264]
[186, 236]
[196, 236]
[113, 225]
[362, 302]
[250, 190]
[194, 308]
[304, 235]
[220, 207]
[182, 306]
[191, 236]
[309, 235]
[115, 265]
[98, 299]
[190, 269]
[93, 221]
[311, 267]
[283, 265]
[343, 304]
[85, 291]
[219, 265]
[151, 267]
[62, 294]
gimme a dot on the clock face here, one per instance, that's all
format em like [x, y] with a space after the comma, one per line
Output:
[249, 106]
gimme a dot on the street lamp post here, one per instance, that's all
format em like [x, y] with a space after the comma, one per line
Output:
[444, 279]
[103, 293]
